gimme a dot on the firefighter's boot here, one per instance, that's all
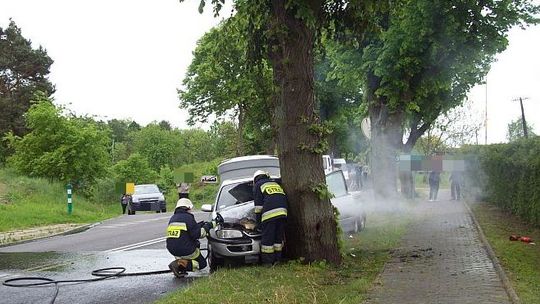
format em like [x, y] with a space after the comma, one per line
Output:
[178, 268]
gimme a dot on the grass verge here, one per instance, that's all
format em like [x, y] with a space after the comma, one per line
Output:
[364, 257]
[520, 261]
[30, 202]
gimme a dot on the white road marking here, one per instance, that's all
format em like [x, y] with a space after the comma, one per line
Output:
[116, 225]
[136, 245]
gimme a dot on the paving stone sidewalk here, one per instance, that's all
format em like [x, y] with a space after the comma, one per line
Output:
[442, 260]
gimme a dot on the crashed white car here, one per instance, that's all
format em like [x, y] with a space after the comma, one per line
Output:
[236, 239]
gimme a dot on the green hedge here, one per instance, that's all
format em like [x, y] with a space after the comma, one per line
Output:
[508, 175]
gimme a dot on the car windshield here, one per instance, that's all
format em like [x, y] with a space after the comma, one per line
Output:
[234, 194]
[146, 189]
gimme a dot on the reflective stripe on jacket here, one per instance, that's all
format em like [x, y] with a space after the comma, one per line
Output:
[270, 200]
[183, 234]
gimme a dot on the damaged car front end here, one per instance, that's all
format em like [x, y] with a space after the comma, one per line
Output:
[236, 240]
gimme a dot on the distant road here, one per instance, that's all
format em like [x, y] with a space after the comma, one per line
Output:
[140, 231]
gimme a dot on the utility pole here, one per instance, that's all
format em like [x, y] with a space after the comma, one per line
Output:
[486, 118]
[523, 122]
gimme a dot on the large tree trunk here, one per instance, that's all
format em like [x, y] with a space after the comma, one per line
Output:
[386, 141]
[311, 230]
[241, 122]
[406, 178]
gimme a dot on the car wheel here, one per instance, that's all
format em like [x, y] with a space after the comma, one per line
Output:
[164, 210]
[214, 262]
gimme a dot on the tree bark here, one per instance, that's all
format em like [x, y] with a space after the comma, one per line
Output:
[406, 177]
[311, 229]
[386, 142]
[240, 142]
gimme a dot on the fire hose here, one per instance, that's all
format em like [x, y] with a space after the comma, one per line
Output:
[100, 275]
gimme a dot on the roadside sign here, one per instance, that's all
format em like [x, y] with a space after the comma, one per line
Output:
[130, 188]
[209, 179]
[69, 190]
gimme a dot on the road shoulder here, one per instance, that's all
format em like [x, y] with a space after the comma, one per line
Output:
[20, 236]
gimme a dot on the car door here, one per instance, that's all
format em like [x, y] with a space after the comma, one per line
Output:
[342, 200]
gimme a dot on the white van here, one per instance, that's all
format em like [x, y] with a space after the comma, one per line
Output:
[327, 164]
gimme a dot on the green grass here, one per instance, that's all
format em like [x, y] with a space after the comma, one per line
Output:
[30, 202]
[520, 261]
[364, 258]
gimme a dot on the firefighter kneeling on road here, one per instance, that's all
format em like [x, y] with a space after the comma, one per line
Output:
[183, 234]
[271, 213]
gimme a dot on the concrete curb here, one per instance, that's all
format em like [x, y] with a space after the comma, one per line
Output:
[502, 275]
[68, 232]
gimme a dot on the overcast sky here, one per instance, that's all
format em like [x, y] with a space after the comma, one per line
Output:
[125, 59]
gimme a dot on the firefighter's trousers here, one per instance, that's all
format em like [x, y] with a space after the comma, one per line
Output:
[272, 240]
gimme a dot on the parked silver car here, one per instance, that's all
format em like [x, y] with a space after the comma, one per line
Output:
[147, 197]
[237, 238]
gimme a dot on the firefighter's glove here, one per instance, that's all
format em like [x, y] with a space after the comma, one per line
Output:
[219, 219]
[209, 225]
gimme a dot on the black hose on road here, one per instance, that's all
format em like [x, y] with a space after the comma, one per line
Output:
[100, 274]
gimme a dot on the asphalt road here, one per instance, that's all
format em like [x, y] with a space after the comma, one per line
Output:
[135, 242]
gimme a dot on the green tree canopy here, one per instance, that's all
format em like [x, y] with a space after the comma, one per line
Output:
[58, 147]
[222, 81]
[419, 60]
[158, 146]
[119, 129]
[23, 71]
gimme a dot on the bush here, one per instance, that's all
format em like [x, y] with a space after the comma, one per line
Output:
[166, 179]
[509, 176]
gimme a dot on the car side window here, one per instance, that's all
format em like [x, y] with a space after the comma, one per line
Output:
[336, 184]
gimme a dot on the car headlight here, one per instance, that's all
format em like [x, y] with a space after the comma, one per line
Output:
[228, 234]
[135, 200]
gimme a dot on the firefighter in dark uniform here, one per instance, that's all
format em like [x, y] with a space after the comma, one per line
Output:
[271, 213]
[183, 234]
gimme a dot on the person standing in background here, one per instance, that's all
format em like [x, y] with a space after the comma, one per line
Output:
[434, 179]
[455, 185]
[183, 190]
[125, 201]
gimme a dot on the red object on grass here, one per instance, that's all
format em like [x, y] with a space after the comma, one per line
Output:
[525, 239]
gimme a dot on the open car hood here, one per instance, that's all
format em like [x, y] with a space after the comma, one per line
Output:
[236, 213]
[243, 212]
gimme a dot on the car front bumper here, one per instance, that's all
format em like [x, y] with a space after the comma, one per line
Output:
[148, 206]
[245, 248]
